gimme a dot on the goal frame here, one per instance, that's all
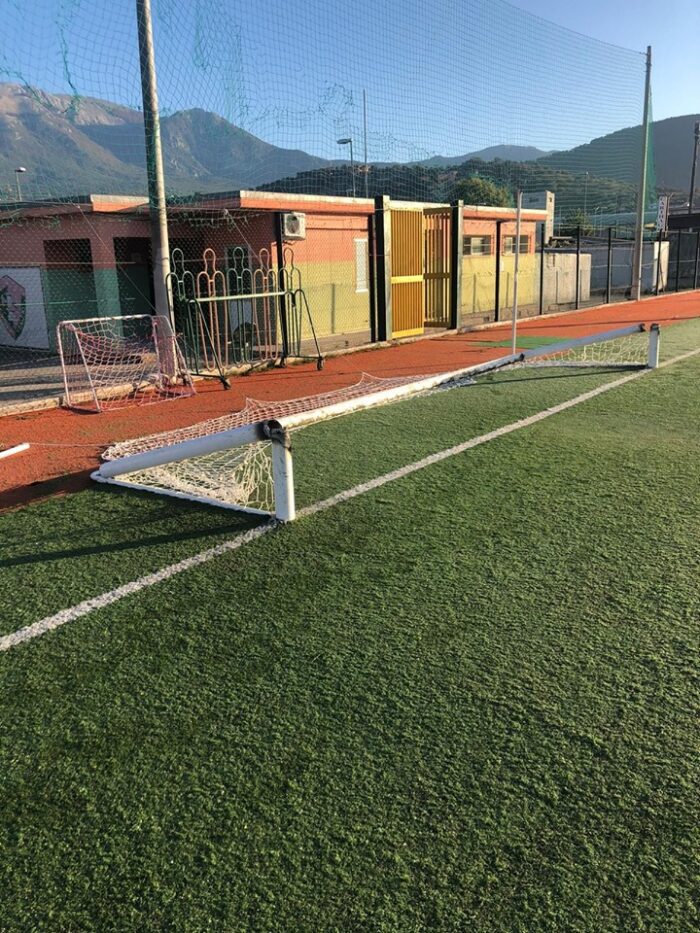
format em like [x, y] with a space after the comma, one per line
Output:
[178, 369]
[277, 431]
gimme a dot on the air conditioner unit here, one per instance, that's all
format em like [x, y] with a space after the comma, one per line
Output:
[294, 226]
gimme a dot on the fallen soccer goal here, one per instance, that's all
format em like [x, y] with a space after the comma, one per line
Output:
[108, 362]
[244, 460]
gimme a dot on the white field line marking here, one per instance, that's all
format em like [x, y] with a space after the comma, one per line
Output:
[50, 623]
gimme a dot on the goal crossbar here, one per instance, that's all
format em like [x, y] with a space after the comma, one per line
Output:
[274, 432]
[260, 431]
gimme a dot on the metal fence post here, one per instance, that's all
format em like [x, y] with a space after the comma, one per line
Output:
[608, 281]
[578, 266]
[542, 240]
[678, 259]
[382, 230]
[658, 263]
[372, 250]
[697, 260]
[456, 263]
[283, 286]
[497, 296]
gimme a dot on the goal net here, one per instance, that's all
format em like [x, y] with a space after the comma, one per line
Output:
[243, 460]
[108, 362]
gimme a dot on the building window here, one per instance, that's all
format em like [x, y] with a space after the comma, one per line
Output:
[68, 255]
[476, 246]
[509, 245]
[361, 264]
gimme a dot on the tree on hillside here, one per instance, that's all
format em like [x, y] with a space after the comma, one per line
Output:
[476, 190]
[579, 218]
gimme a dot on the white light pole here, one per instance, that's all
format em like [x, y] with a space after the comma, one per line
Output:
[516, 270]
[19, 171]
[347, 141]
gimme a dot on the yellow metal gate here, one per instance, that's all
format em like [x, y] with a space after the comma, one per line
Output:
[407, 283]
[436, 225]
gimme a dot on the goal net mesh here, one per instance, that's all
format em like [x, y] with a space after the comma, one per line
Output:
[242, 477]
[109, 362]
[623, 351]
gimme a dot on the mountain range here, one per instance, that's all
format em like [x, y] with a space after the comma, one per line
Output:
[71, 147]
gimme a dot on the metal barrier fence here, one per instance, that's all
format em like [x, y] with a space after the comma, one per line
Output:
[254, 310]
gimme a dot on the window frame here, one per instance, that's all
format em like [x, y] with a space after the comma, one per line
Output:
[509, 244]
[486, 240]
[361, 281]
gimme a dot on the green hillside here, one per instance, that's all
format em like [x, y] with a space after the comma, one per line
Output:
[404, 182]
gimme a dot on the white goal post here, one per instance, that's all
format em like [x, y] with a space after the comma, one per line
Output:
[108, 362]
[249, 466]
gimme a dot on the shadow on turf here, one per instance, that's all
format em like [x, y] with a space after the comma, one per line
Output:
[501, 377]
[174, 509]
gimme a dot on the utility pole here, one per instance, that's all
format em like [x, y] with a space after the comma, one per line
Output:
[154, 163]
[694, 167]
[642, 193]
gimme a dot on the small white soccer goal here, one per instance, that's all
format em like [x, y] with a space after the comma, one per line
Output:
[109, 362]
[244, 460]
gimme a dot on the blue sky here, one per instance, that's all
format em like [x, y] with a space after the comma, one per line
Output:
[447, 77]
[671, 27]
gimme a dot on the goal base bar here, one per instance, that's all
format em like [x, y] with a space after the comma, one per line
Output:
[275, 430]
[176, 494]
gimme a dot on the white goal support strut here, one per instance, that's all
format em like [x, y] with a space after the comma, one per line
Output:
[208, 477]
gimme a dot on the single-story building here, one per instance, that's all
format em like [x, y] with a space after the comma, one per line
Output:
[370, 269]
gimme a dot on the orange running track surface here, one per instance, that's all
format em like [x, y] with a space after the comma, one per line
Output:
[66, 445]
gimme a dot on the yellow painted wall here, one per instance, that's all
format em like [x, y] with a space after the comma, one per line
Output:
[479, 282]
[336, 306]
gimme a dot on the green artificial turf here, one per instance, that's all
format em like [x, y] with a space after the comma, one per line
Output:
[468, 700]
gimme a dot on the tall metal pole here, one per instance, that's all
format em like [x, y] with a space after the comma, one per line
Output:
[364, 117]
[518, 217]
[642, 194]
[497, 279]
[578, 268]
[542, 242]
[19, 171]
[352, 169]
[154, 162]
[694, 167]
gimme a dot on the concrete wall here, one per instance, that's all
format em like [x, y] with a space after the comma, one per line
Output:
[479, 278]
[560, 279]
[622, 259]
